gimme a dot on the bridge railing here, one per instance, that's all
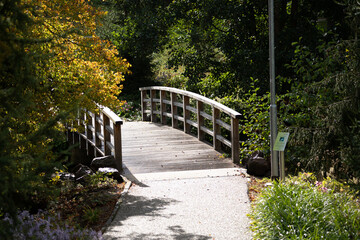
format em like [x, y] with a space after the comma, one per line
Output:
[158, 104]
[99, 134]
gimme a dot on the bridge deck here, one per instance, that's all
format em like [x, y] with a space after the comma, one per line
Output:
[149, 147]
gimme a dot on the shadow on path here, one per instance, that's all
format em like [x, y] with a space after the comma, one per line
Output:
[141, 206]
[178, 233]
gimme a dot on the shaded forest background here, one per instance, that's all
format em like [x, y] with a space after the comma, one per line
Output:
[219, 49]
[57, 56]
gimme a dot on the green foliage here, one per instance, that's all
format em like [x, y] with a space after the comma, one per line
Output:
[254, 126]
[216, 47]
[137, 28]
[86, 205]
[27, 147]
[37, 96]
[322, 110]
[130, 111]
[302, 208]
[91, 216]
[99, 179]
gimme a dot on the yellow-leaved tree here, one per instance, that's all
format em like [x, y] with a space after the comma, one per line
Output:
[51, 62]
[76, 66]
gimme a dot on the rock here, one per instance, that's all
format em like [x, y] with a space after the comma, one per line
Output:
[257, 165]
[103, 162]
[81, 172]
[67, 176]
[113, 173]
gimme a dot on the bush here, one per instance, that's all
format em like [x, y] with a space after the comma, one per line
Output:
[303, 208]
[254, 124]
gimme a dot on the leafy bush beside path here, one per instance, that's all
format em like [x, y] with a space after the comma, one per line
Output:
[303, 208]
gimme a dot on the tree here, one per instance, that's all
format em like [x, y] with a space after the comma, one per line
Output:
[323, 108]
[51, 63]
[137, 29]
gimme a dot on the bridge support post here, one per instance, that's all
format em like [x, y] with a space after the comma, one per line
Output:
[162, 107]
[174, 121]
[106, 122]
[117, 145]
[152, 105]
[97, 133]
[235, 146]
[143, 105]
[200, 120]
[186, 114]
[216, 129]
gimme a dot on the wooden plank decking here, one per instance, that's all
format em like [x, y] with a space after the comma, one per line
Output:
[149, 147]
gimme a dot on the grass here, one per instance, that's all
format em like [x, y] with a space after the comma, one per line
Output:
[303, 208]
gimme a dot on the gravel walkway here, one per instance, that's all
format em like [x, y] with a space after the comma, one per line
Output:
[194, 205]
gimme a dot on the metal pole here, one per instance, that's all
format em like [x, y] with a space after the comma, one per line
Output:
[273, 121]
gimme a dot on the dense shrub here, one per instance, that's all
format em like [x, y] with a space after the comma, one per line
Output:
[303, 208]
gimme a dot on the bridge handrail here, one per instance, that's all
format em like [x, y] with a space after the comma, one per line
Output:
[196, 96]
[215, 118]
[98, 133]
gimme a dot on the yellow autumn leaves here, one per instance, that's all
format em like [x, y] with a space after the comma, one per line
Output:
[75, 65]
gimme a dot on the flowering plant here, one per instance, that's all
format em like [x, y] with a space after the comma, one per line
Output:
[40, 226]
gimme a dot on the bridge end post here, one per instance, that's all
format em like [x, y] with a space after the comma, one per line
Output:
[118, 145]
[162, 107]
[152, 106]
[216, 129]
[186, 114]
[200, 120]
[143, 104]
[174, 121]
[235, 146]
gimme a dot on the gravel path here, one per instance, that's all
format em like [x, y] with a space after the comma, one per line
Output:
[194, 205]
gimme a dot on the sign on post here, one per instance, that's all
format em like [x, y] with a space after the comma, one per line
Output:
[279, 145]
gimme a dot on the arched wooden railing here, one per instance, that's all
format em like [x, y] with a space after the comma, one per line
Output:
[99, 134]
[159, 103]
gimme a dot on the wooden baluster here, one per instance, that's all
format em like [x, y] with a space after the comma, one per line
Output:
[152, 105]
[174, 121]
[90, 136]
[235, 146]
[79, 126]
[87, 131]
[216, 129]
[186, 114]
[117, 145]
[97, 140]
[143, 105]
[200, 120]
[106, 122]
[162, 107]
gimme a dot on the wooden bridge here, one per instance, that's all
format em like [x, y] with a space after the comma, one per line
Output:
[180, 131]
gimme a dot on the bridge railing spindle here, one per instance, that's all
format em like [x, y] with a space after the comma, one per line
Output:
[98, 135]
[200, 120]
[106, 122]
[216, 129]
[174, 110]
[143, 105]
[186, 113]
[162, 107]
[152, 105]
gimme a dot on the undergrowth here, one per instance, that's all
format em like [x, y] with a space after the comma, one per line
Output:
[303, 208]
[80, 212]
